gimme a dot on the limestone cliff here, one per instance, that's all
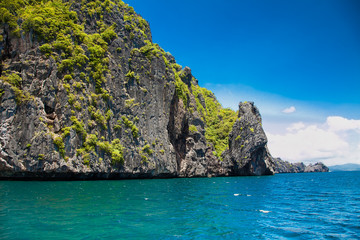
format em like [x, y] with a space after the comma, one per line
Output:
[86, 94]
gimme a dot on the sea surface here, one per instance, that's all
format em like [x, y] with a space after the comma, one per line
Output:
[284, 206]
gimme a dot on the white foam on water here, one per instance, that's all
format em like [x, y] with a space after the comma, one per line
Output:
[264, 211]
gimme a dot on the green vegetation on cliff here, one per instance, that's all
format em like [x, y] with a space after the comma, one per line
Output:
[219, 121]
[15, 81]
[85, 64]
[77, 53]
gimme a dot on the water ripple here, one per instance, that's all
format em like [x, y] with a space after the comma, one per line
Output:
[295, 206]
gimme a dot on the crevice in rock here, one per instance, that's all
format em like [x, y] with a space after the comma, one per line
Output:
[48, 109]
[178, 129]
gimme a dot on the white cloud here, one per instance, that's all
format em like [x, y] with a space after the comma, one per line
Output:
[335, 141]
[296, 126]
[337, 123]
[289, 110]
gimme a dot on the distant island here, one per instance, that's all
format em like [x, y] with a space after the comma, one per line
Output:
[287, 167]
[345, 167]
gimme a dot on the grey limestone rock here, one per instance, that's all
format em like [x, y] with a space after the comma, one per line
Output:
[287, 167]
[59, 125]
[282, 166]
[317, 167]
[248, 153]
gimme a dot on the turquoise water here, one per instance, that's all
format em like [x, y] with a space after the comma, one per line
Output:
[296, 206]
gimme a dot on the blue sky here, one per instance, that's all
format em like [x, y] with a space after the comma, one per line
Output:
[299, 55]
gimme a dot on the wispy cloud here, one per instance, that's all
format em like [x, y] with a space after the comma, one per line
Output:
[337, 123]
[289, 110]
[335, 141]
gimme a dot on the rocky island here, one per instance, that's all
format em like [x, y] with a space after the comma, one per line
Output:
[86, 94]
[282, 166]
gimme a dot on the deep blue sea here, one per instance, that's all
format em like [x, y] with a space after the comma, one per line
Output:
[284, 206]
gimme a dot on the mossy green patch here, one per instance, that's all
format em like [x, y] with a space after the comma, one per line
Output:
[97, 116]
[193, 128]
[114, 149]
[181, 88]
[15, 81]
[146, 149]
[13, 78]
[58, 141]
[132, 126]
[151, 50]
[78, 126]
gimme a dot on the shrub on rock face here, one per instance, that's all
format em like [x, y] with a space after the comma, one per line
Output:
[193, 129]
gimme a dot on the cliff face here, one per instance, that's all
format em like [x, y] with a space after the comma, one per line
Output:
[287, 167]
[86, 94]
